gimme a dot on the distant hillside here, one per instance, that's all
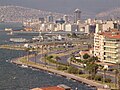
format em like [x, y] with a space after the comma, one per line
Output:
[113, 14]
[17, 13]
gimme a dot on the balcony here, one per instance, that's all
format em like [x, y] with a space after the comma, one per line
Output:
[111, 42]
[110, 46]
[110, 51]
[112, 57]
[97, 44]
[110, 61]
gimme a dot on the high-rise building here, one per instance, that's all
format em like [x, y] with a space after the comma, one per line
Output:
[41, 19]
[66, 18]
[71, 27]
[77, 15]
[107, 46]
[50, 18]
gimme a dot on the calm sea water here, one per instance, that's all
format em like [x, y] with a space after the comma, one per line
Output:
[14, 26]
[13, 77]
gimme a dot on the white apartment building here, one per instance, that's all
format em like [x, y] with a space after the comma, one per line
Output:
[106, 25]
[99, 27]
[107, 46]
[71, 27]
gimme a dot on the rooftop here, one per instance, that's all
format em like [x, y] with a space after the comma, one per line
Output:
[59, 87]
[114, 34]
[49, 88]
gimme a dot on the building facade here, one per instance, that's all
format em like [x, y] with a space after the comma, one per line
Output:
[77, 15]
[107, 46]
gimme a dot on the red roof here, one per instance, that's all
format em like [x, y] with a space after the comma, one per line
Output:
[49, 88]
[115, 34]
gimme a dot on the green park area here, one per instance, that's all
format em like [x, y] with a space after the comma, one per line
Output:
[90, 71]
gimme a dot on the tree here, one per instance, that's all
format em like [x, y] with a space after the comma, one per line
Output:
[73, 70]
[45, 58]
[28, 51]
[86, 56]
[98, 77]
[57, 58]
[62, 67]
[69, 35]
[104, 74]
[91, 67]
[116, 77]
[93, 59]
[50, 57]
[72, 58]
[35, 52]
[74, 35]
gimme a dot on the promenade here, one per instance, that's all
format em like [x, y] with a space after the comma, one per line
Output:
[71, 76]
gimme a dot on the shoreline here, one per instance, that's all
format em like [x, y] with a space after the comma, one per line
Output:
[90, 83]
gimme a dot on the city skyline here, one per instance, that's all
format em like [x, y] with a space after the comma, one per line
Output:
[66, 6]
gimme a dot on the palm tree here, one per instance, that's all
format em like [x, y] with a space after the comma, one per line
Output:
[116, 77]
[27, 50]
[92, 69]
[36, 53]
[91, 66]
[72, 58]
[42, 49]
[104, 74]
[45, 58]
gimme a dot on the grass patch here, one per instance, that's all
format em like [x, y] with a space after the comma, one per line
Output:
[83, 75]
[112, 85]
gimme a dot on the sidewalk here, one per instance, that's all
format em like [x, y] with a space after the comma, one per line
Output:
[71, 76]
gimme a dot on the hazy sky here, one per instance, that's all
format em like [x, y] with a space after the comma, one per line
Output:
[66, 6]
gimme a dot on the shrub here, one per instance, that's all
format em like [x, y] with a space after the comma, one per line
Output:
[110, 69]
[108, 80]
[50, 56]
[90, 77]
[86, 56]
[98, 78]
[62, 67]
[81, 72]
[73, 70]
[79, 60]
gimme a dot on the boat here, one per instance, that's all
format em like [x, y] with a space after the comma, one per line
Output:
[18, 40]
[24, 66]
[11, 33]
[8, 29]
[6, 60]
[39, 37]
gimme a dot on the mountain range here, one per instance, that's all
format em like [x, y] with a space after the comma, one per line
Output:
[113, 14]
[19, 13]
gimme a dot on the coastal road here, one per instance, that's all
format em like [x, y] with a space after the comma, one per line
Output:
[64, 60]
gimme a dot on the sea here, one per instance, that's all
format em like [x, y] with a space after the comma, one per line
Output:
[14, 77]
